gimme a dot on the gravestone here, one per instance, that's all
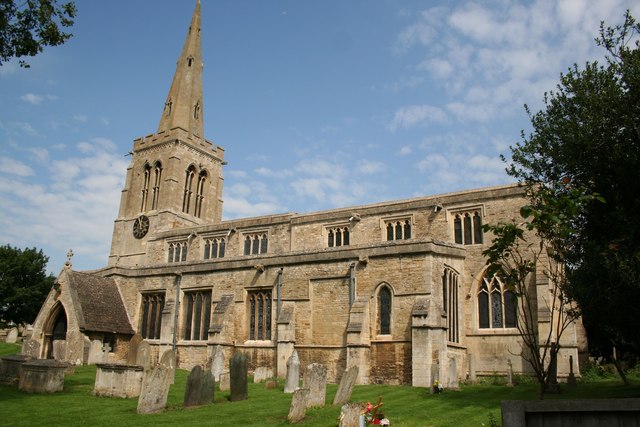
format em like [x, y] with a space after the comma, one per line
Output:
[143, 355]
[199, 389]
[571, 379]
[315, 379]
[95, 353]
[155, 385]
[31, 348]
[346, 386]
[453, 373]
[472, 369]
[12, 336]
[350, 415]
[217, 365]
[262, 373]
[132, 355]
[299, 404]
[293, 373]
[509, 373]
[225, 381]
[238, 374]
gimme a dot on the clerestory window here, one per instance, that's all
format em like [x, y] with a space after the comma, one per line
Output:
[214, 247]
[337, 236]
[398, 229]
[467, 227]
[255, 244]
[177, 252]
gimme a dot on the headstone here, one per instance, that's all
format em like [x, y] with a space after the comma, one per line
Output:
[453, 373]
[31, 348]
[238, 380]
[168, 359]
[315, 379]
[472, 368]
[12, 336]
[571, 379]
[350, 415]
[199, 389]
[262, 373]
[132, 355]
[346, 386]
[155, 389]
[299, 404]
[143, 356]
[95, 353]
[225, 381]
[509, 373]
[293, 373]
[217, 365]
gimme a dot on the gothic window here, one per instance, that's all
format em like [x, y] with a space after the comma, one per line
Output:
[467, 228]
[152, 305]
[255, 244]
[145, 187]
[197, 313]
[497, 305]
[202, 178]
[337, 236]
[260, 315]
[450, 303]
[398, 229]
[157, 177]
[177, 252]
[384, 310]
[214, 247]
[188, 188]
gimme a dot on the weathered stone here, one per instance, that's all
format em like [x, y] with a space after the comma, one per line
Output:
[238, 373]
[12, 336]
[200, 387]
[509, 374]
[350, 414]
[42, 376]
[113, 380]
[132, 355]
[31, 348]
[472, 369]
[96, 355]
[10, 367]
[293, 373]
[315, 379]
[225, 381]
[453, 373]
[217, 365]
[299, 404]
[155, 389]
[262, 373]
[143, 356]
[346, 386]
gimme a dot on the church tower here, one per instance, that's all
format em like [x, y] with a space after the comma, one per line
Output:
[174, 179]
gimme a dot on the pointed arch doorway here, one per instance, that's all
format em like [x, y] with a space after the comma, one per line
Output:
[56, 334]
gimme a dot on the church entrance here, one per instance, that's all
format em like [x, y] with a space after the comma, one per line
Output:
[56, 334]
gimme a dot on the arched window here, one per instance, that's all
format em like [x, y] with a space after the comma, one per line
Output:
[260, 315]
[157, 178]
[398, 229]
[467, 228]
[497, 305]
[450, 303]
[197, 315]
[177, 252]
[145, 187]
[188, 190]
[337, 236]
[202, 179]
[256, 244]
[152, 305]
[384, 310]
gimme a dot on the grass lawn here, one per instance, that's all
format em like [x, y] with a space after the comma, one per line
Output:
[403, 405]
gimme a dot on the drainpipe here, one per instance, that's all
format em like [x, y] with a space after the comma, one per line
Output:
[352, 283]
[279, 285]
[175, 311]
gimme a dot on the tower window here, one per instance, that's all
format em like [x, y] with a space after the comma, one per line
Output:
[188, 190]
[157, 178]
[145, 187]
[202, 179]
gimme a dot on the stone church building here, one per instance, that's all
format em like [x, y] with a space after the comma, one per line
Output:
[397, 288]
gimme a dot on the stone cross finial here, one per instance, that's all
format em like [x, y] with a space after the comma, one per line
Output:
[69, 256]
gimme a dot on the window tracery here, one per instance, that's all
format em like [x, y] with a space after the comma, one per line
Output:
[214, 247]
[450, 303]
[467, 227]
[255, 244]
[177, 252]
[497, 305]
[197, 315]
[260, 315]
[384, 310]
[151, 322]
[338, 236]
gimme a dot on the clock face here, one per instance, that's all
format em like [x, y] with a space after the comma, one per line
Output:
[140, 226]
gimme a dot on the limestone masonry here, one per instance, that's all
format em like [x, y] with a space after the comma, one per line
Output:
[397, 289]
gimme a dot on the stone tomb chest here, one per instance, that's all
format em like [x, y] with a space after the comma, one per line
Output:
[42, 376]
[116, 380]
[10, 367]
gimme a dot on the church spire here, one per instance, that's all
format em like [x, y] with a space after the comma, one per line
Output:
[183, 107]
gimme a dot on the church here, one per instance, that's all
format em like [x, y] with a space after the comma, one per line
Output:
[396, 288]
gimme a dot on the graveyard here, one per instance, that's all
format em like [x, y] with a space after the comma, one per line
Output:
[268, 405]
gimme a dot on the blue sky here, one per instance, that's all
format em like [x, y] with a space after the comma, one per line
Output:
[318, 104]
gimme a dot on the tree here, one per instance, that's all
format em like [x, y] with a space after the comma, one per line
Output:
[24, 284]
[522, 254]
[588, 137]
[26, 27]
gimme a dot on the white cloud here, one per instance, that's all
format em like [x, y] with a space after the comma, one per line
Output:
[369, 167]
[80, 118]
[413, 115]
[405, 150]
[14, 167]
[32, 98]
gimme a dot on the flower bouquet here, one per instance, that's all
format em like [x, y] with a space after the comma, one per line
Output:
[373, 415]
